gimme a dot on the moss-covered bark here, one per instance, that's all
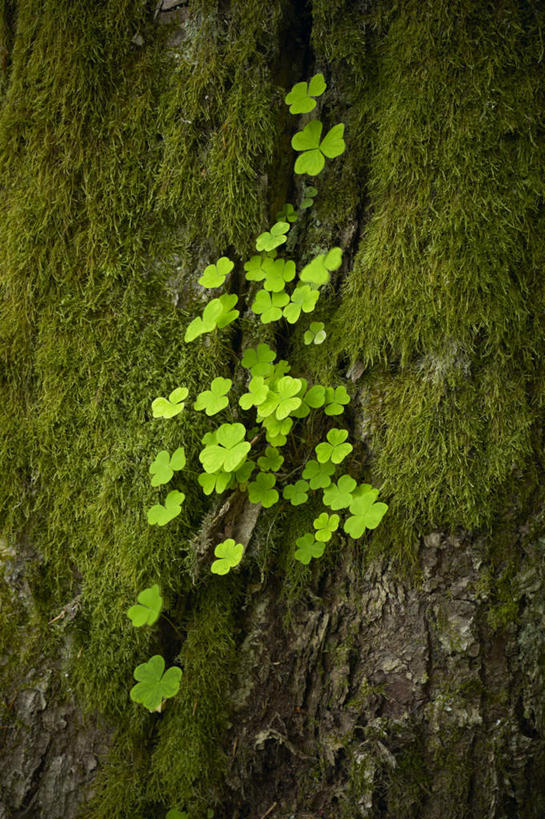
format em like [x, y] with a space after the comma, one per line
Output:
[401, 679]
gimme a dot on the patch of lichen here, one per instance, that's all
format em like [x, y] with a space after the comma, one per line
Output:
[446, 291]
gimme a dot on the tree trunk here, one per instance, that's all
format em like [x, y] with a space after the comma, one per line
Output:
[400, 675]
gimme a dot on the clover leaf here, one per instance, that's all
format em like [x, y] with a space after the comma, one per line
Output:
[302, 299]
[161, 515]
[259, 360]
[318, 270]
[271, 461]
[339, 495]
[315, 149]
[148, 608]
[366, 514]
[269, 306]
[164, 465]
[283, 400]
[300, 99]
[318, 475]
[308, 197]
[336, 400]
[214, 481]
[287, 213]
[171, 406]
[261, 490]
[218, 313]
[325, 525]
[229, 450]
[215, 399]
[229, 555]
[308, 548]
[215, 274]
[276, 431]
[272, 238]
[334, 450]
[277, 273]
[244, 472]
[296, 493]
[315, 397]
[153, 685]
[256, 395]
[316, 333]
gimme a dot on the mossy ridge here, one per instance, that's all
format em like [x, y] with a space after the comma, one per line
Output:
[446, 285]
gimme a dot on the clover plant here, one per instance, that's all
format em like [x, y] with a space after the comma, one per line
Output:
[277, 402]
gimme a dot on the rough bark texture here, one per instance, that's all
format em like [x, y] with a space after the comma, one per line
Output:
[401, 676]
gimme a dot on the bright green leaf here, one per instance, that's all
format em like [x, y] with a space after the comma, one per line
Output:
[315, 334]
[261, 490]
[366, 513]
[339, 495]
[171, 406]
[325, 525]
[229, 555]
[154, 683]
[333, 144]
[161, 515]
[308, 548]
[259, 361]
[318, 270]
[334, 450]
[296, 493]
[336, 400]
[300, 97]
[269, 240]
[302, 299]
[215, 399]
[215, 274]
[229, 451]
[148, 608]
[318, 474]
[271, 461]
[163, 467]
[269, 306]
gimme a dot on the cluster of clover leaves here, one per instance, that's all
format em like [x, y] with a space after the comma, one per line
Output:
[275, 401]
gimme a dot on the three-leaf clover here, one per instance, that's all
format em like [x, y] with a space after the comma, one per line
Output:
[302, 298]
[308, 197]
[276, 431]
[315, 149]
[271, 461]
[287, 213]
[339, 495]
[229, 555]
[318, 475]
[269, 306]
[283, 400]
[261, 490]
[272, 238]
[229, 450]
[218, 313]
[153, 685]
[256, 395]
[215, 274]
[316, 333]
[161, 515]
[336, 400]
[164, 465]
[366, 514]
[259, 360]
[319, 269]
[335, 449]
[277, 272]
[325, 525]
[214, 481]
[300, 99]
[296, 493]
[148, 608]
[215, 399]
[308, 548]
[171, 406]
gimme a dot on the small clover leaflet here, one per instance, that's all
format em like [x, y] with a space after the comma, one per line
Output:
[315, 149]
[218, 313]
[273, 238]
[244, 472]
[229, 450]
[161, 515]
[256, 395]
[153, 685]
[296, 493]
[287, 213]
[171, 406]
[215, 274]
[335, 449]
[262, 490]
[277, 273]
[336, 400]
[300, 99]
[276, 431]
[339, 496]
[308, 197]
[215, 399]
[366, 514]
[318, 270]
[269, 306]
[215, 481]
[312, 399]
[164, 466]
[302, 299]
[318, 475]
[316, 333]
[325, 525]
[259, 360]
[283, 400]
[148, 608]
[229, 555]
[308, 548]
[271, 461]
